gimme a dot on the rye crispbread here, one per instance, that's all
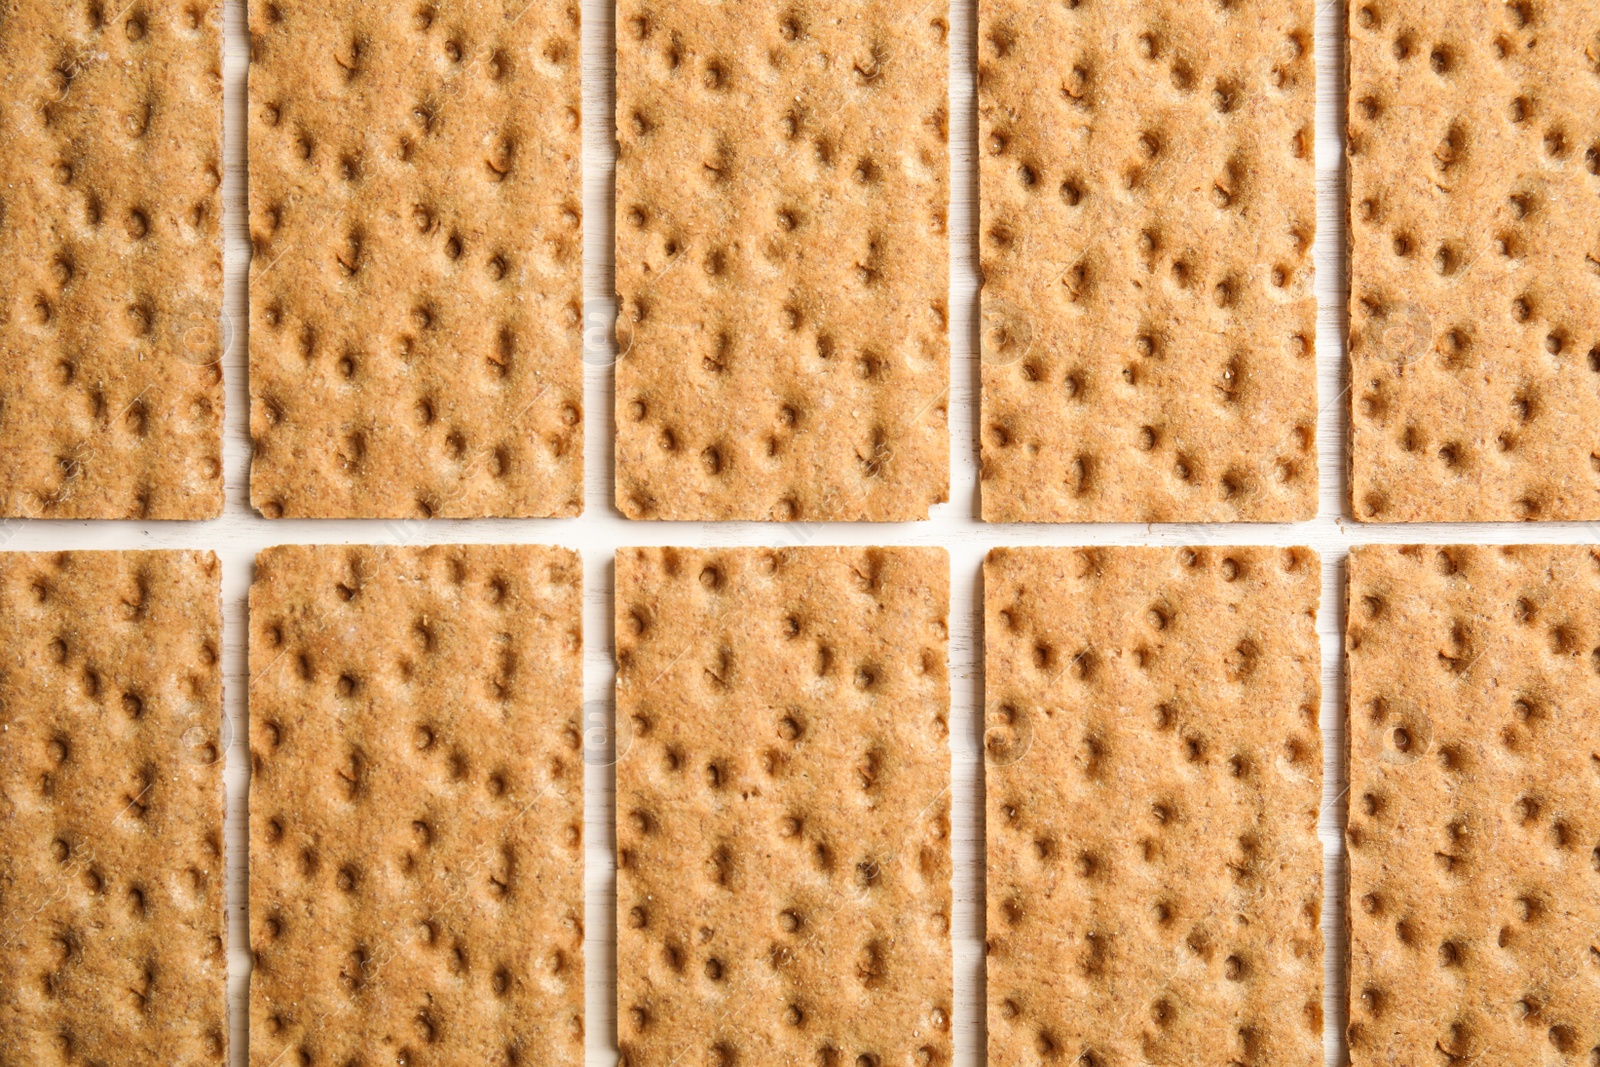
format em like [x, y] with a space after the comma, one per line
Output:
[111, 331]
[782, 260]
[1148, 206]
[1474, 219]
[783, 806]
[415, 286]
[416, 806]
[1474, 804]
[112, 864]
[1153, 780]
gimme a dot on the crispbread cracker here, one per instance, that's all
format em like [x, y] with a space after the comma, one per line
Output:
[1474, 260]
[111, 853]
[416, 291]
[1153, 777]
[416, 806]
[783, 806]
[1148, 208]
[782, 259]
[1474, 822]
[110, 260]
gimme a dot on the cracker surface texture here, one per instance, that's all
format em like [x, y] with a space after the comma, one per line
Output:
[1474, 178]
[783, 806]
[1148, 205]
[111, 855]
[1153, 777]
[111, 332]
[415, 289]
[416, 805]
[1474, 818]
[782, 260]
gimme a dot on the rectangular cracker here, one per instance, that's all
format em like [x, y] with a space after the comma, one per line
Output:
[416, 288]
[782, 260]
[416, 805]
[1474, 819]
[1148, 205]
[111, 854]
[111, 332]
[1474, 260]
[1153, 779]
[783, 806]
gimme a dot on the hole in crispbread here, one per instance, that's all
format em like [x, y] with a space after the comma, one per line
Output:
[1564, 1038]
[1448, 259]
[1226, 96]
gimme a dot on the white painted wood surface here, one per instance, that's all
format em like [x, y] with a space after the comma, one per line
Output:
[241, 532]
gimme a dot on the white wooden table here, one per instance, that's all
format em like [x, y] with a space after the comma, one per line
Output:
[240, 532]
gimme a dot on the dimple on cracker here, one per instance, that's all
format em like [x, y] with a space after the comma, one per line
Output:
[1474, 178]
[1148, 208]
[111, 798]
[415, 285]
[111, 332]
[782, 260]
[416, 805]
[1474, 818]
[1152, 786]
[783, 806]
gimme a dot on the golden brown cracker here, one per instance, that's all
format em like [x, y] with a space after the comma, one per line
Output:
[783, 806]
[1474, 220]
[111, 850]
[416, 290]
[1148, 208]
[782, 260]
[1474, 818]
[1153, 780]
[416, 805]
[111, 333]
